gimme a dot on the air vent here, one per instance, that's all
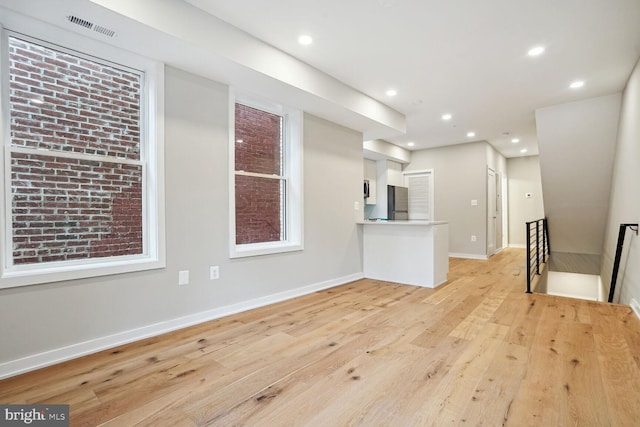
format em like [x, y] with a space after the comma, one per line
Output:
[103, 30]
[91, 26]
[81, 22]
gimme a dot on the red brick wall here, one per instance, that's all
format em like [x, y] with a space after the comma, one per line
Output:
[68, 208]
[258, 200]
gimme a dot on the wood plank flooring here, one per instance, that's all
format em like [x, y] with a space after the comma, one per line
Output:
[476, 351]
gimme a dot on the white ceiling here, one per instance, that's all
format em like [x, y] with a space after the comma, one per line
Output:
[464, 57]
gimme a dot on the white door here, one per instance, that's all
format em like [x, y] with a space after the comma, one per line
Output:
[492, 214]
[499, 221]
[505, 216]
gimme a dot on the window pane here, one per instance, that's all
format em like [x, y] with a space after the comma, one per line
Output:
[63, 102]
[64, 209]
[259, 209]
[258, 146]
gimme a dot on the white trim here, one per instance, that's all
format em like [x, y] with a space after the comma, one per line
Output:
[517, 245]
[294, 205]
[58, 355]
[79, 156]
[261, 175]
[635, 306]
[467, 256]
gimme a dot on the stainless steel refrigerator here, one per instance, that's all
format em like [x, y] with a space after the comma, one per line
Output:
[397, 202]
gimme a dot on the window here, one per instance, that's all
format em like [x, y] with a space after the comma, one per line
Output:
[81, 176]
[266, 194]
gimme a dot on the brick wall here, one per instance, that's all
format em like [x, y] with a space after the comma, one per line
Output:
[259, 206]
[66, 208]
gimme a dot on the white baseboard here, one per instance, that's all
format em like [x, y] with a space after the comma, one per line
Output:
[517, 245]
[635, 306]
[467, 256]
[51, 357]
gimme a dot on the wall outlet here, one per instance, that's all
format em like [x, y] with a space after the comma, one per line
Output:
[473, 238]
[356, 206]
[214, 272]
[474, 202]
[183, 277]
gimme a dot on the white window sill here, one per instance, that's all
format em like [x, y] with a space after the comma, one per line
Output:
[255, 249]
[57, 272]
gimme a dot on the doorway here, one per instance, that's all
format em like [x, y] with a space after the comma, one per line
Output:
[492, 211]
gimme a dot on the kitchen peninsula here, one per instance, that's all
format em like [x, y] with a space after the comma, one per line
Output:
[409, 252]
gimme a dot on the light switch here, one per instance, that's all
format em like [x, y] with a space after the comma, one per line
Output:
[183, 277]
[356, 206]
[474, 202]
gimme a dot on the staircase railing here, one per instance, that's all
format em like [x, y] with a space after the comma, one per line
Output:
[616, 262]
[538, 248]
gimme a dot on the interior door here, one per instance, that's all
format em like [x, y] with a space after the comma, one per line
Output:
[492, 213]
[499, 216]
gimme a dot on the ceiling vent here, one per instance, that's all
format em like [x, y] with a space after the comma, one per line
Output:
[104, 30]
[91, 26]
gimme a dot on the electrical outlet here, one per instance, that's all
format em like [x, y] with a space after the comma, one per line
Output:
[183, 277]
[356, 206]
[214, 272]
[473, 238]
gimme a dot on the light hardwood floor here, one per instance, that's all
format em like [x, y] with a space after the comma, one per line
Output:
[476, 351]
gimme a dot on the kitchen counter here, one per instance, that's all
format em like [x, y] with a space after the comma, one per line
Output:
[402, 222]
[409, 252]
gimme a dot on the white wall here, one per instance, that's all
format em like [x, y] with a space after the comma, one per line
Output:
[81, 315]
[577, 145]
[624, 202]
[524, 177]
[460, 175]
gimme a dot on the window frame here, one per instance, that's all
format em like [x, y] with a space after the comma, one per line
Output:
[293, 214]
[151, 156]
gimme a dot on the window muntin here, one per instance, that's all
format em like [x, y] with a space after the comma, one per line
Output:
[82, 161]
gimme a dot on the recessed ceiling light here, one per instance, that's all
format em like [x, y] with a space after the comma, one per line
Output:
[411, 144]
[305, 40]
[391, 92]
[446, 116]
[536, 50]
[577, 84]
[524, 150]
[471, 134]
[515, 140]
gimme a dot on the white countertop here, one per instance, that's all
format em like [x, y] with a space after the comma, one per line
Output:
[402, 222]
